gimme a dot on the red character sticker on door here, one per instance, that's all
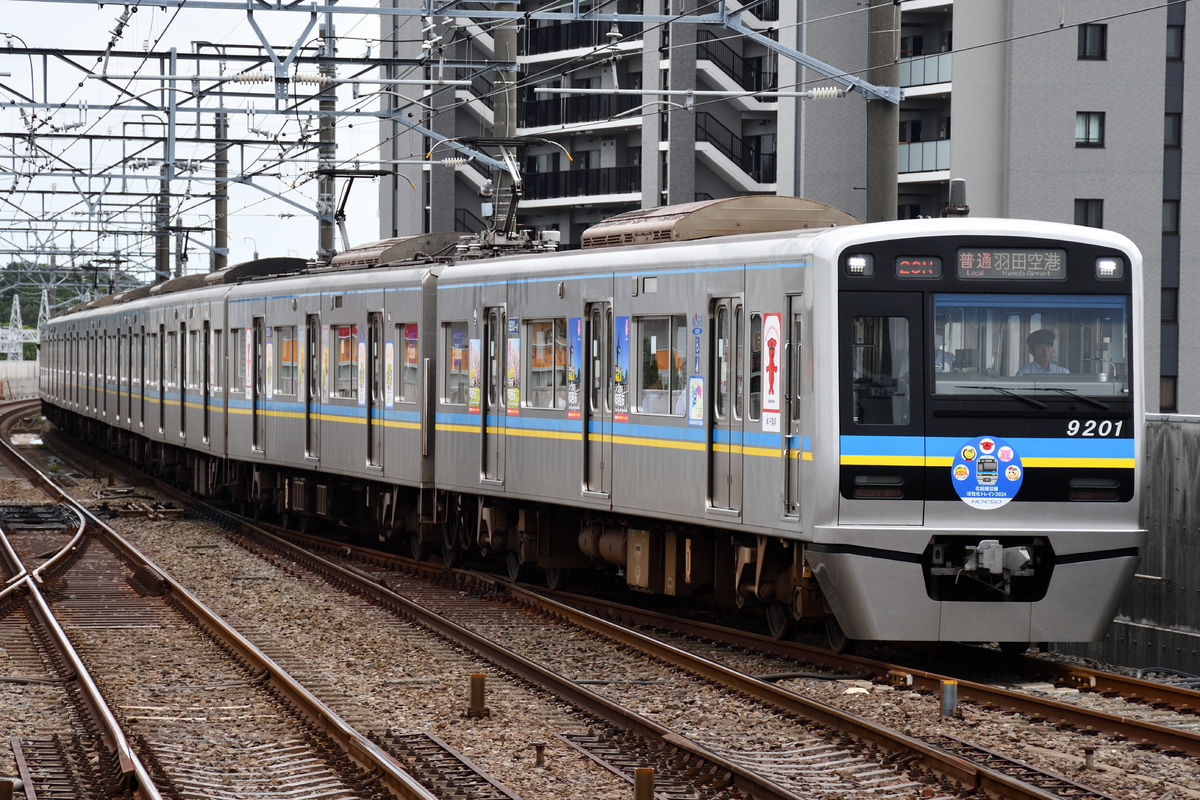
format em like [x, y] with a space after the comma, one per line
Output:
[772, 391]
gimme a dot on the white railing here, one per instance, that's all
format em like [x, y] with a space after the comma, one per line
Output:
[924, 156]
[924, 70]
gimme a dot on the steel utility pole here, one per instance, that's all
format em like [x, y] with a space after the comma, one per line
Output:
[220, 259]
[883, 117]
[328, 144]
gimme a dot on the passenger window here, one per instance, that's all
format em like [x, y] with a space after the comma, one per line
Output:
[739, 369]
[237, 360]
[546, 368]
[152, 361]
[880, 370]
[193, 360]
[408, 365]
[287, 369]
[455, 363]
[172, 357]
[346, 361]
[215, 354]
[662, 380]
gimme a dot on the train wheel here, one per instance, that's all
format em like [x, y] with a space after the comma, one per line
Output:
[418, 549]
[451, 555]
[556, 578]
[838, 641]
[1013, 648]
[515, 567]
[779, 621]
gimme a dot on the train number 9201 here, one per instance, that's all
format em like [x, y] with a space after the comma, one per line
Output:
[1094, 427]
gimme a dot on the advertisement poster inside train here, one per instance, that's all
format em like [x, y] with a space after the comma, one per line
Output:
[473, 377]
[325, 362]
[362, 372]
[389, 372]
[574, 366]
[512, 369]
[621, 367]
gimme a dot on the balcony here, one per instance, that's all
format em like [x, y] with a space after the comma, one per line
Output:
[554, 38]
[925, 70]
[583, 182]
[570, 109]
[924, 156]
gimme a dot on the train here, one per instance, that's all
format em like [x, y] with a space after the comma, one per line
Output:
[918, 430]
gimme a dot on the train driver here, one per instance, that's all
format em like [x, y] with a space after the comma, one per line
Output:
[1041, 347]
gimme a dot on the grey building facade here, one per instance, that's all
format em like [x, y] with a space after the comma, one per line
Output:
[1072, 111]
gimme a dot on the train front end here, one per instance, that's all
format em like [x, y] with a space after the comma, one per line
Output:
[990, 418]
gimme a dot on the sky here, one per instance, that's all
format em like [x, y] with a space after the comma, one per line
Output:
[257, 221]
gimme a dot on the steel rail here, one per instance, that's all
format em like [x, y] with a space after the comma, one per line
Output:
[956, 768]
[361, 749]
[966, 773]
[134, 774]
[747, 781]
[1085, 719]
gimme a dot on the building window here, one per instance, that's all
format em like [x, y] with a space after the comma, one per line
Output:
[1172, 129]
[1174, 43]
[1170, 305]
[1089, 129]
[1170, 216]
[1089, 213]
[1166, 394]
[1093, 42]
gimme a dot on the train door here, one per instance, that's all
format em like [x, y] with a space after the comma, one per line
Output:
[160, 347]
[206, 376]
[258, 386]
[185, 378]
[128, 347]
[122, 376]
[375, 400]
[312, 388]
[142, 376]
[103, 370]
[598, 406]
[725, 426]
[791, 358]
[494, 396]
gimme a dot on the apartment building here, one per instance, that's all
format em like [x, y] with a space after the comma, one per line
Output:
[1070, 111]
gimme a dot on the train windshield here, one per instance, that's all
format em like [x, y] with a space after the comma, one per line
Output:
[1031, 344]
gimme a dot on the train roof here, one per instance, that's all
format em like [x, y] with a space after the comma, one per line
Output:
[778, 246]
[708, 218]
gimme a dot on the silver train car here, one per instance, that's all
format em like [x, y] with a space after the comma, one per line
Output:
[918, 430]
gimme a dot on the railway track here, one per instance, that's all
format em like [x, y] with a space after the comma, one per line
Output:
[180, 705]
[371, 572]
[856, 758]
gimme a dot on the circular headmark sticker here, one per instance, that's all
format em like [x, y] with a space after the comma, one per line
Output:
[987, 472]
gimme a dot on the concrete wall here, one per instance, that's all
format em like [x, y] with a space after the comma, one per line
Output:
[1158, 622]
[18, 379]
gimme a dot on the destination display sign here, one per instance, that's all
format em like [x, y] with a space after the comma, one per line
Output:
[927, 267]
[1012, 265]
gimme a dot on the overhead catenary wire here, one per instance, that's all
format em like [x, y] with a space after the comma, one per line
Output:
[573, 65]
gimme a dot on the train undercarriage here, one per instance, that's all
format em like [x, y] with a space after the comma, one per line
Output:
[761, 574]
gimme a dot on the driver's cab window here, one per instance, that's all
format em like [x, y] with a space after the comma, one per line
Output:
[880, 362]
